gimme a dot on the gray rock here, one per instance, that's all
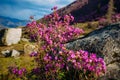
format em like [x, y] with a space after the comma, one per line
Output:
[15, 53]
[2, 33]
[113, 72]
[105, 42]
[6, 53]
[12, 36]
[29, 48]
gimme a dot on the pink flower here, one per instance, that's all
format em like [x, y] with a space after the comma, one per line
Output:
[73, 56]
[54, 8]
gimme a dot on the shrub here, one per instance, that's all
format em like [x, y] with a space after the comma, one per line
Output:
[55, 62]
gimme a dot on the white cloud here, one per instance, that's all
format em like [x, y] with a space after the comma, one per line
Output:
[26, 8]
[41, 2]
[51, 3]
[23, 13]
[16, 13]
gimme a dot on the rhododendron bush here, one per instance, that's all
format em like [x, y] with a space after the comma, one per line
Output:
[55, 62]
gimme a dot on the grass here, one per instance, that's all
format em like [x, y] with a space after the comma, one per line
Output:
[23, 61]
[19, 46]
[87, 27]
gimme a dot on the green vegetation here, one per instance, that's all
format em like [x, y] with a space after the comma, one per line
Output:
[23, 61]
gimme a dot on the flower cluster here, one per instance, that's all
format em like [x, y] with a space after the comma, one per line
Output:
[57, 32]
[33, 54]
[77, 60]
[82, 60]
[56, 58]
[36, 71]
[18, 72]
[103, 21]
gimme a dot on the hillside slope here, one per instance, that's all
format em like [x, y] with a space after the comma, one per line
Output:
[87, 10]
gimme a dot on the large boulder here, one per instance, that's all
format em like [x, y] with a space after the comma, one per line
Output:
[2, 32]
[105, 42]
[12, 36]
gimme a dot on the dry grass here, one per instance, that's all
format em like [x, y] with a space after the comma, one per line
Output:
[23, 61]
[87, 27]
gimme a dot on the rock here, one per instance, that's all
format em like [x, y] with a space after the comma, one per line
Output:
[6, 53]
[105, 42]
[15, 53]
[12, 36]
[24, 40]
[29, 48]
[113, 72]
[2, 32]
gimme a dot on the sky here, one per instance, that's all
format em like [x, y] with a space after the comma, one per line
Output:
[23, 9]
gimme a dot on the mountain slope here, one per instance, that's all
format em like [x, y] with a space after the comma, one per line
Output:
[87, 10]
[11, 22]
